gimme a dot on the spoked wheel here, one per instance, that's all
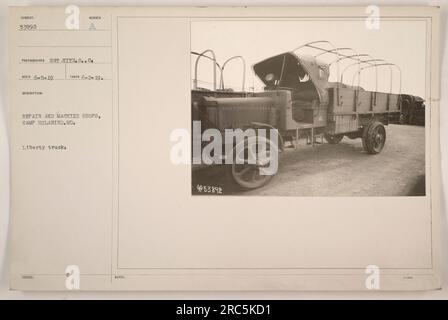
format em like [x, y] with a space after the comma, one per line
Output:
[402, 119]
[251, 167]
[333, 139]
[374, 137]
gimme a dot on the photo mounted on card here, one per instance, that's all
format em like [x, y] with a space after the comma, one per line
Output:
[300, 107]
[225, 148]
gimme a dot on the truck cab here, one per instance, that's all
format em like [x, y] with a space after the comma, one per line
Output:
[306, 78]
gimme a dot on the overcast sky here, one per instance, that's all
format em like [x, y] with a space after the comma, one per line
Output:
[399, 42]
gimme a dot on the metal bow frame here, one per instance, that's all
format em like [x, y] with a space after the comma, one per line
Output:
[216, 67]
[196, 63]
[362, 62]
[221, 84]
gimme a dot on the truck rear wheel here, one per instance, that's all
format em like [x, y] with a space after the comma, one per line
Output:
[374, 137]
[333, 139]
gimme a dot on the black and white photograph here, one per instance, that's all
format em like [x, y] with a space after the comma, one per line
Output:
[308, 107]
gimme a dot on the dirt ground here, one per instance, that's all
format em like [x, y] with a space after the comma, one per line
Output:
[344, 169]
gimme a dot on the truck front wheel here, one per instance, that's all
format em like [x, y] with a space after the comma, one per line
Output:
[254, 163]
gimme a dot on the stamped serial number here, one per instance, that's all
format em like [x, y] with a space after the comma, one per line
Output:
[208, 189]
